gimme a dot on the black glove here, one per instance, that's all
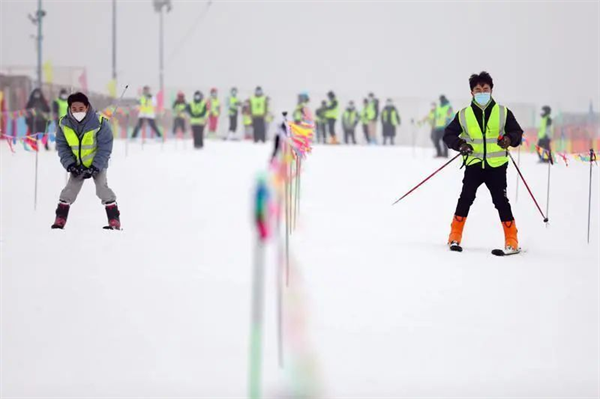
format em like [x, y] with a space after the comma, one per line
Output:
[504, 142]
[92, 171]
[465, 149]
[74, 169]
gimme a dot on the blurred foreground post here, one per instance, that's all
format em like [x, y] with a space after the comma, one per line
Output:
[592, 159]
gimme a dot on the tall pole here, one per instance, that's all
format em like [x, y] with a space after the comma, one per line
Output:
[161, 41]
[39, 16]
[114, 40]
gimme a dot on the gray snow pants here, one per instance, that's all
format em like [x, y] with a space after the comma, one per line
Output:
[71, 191]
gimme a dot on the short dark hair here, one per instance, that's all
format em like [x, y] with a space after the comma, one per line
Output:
[78, 98]
[481, 79]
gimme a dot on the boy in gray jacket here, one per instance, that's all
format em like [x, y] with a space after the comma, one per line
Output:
[84, 141]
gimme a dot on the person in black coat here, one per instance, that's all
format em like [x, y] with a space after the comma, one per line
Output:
[38, 114]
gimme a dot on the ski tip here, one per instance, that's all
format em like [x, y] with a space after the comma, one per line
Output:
[455, 248]
[502, 252]
[112, 228]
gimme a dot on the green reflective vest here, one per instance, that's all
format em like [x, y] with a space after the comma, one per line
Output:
[84, 147]
[198, 113]
[334, 112]
[364, 115]
[179, 109]
[258, 105]
[146, 106]
[543, 131]
[63, 107]
[350, 118]
[485, 146]
[234, 104]
[443, 115]
[371, 112]
[390, 116]
[299, 112]
[431, 117]
[215, 106]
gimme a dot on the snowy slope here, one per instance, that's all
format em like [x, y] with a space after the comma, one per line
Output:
[162, 308]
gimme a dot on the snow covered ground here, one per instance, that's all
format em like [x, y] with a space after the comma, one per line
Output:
[161, 309]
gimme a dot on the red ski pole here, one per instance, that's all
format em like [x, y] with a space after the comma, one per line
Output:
[527, 186]
[429, 177]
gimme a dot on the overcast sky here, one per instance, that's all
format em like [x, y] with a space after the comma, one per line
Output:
[538, 52]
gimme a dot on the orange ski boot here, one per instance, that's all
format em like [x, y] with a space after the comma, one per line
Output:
[456, 230]
[511, 242]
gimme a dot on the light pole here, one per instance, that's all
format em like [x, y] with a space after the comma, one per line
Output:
[159, 6]
[37, 20]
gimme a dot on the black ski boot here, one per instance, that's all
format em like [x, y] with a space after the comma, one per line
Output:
[62, 212]
[112, 212]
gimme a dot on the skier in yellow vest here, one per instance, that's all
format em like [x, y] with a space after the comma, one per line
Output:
[179, 109]
[390, 120]
[350, 119]
[60, 106]
[301, 107]
[198, 109]
[443, 116]
[372, 115]
[482, 133]
[247, 120]
[84, 142]
[233, 108]
[544, 133]
[364, 119]
[147, 112]
[214, 107]
[332, 111]
[258, 111]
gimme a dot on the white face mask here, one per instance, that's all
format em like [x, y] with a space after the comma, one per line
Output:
[79, 116]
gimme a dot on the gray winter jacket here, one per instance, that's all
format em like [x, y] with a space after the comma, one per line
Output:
[104, 139]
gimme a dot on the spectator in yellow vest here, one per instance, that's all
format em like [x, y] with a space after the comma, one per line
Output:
[214, 107]
[544, 134]
[147, 113]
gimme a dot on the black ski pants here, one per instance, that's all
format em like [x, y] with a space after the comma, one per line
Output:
[233, 120]
[366, 132]
[178, 123]
[198, 133]
[494, 179]
[437, 135]
[331, 126]
[259, 129]
[141, 122]
[349, 136]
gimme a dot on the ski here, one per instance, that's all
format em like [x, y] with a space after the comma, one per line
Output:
[506, 252]
[112, 228]
[56, 227]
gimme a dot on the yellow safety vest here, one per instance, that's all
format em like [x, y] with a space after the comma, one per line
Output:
[63, 107]
[349, 117]
[543, 130]
[332, 113]
[364, 115]
[485, 146]
[214, 106]
[234, 104]
[390, 116]
[146, 106]
[196, 109]
[258, 105]
[84, 147]
[442, 116]
[299, 112]
[371, 114]
[179, 109]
